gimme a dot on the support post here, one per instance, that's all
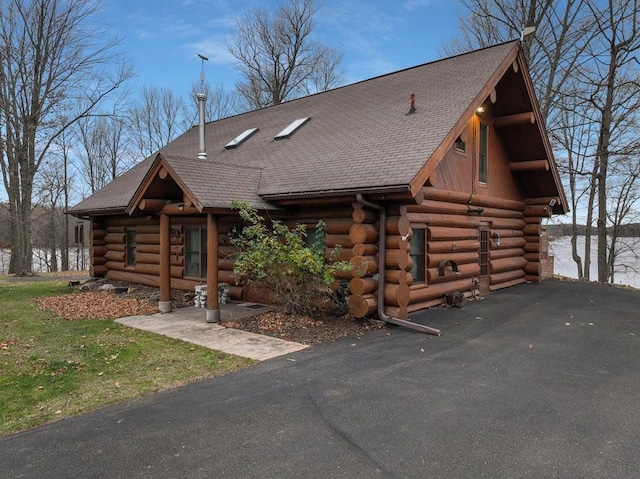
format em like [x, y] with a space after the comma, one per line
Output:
[213, 308]
[165, 264]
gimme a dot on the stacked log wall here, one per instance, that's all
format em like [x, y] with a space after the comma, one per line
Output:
[339, 246]
[536, 249]
[363, 285]
[398, 278]
[97, 248]
[363, 235]
[546, 260]
[452, 221]
[108, 252]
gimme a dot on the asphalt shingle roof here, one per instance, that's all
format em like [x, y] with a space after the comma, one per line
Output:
[217, 184]
[358, 137]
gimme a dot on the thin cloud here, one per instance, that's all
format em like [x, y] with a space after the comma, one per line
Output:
[364, 28]
[214, 48]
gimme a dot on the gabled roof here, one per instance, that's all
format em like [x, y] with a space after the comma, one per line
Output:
[113, 197]
[210, 185]
[358, 138]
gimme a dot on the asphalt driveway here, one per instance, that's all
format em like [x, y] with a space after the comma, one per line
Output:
[537, 381]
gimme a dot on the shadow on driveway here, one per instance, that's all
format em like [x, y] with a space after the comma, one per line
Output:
[537, 381]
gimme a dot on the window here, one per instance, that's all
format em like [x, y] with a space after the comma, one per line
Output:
[484, 251]
[130, 255]
[195, 245]
[483, 154]
[289, 130]
[460, 146]
[315, 239]
[418, 256]
[240, 138]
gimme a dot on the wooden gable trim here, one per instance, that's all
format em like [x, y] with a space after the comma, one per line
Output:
[161, 168]
[488, 91]
[539, 120]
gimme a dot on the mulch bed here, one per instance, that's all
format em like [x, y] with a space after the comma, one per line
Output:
[303, 329]
[89, 302]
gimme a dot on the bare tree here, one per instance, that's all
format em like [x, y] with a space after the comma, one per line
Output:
[583, 61]
[625, 195]
[51, 55]
[48, 219]
[63, 147]
[157, 117]
[278, 57]
[116, 148]
[101, 150]
[220, 103]
[562, 33]
[574, 135]
[615, 96]
[91, 133]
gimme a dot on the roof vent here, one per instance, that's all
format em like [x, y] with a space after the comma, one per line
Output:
[412, 104]
[288, 131]
[240, 138]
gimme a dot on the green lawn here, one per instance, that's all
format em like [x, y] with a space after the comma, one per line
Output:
[51, 368]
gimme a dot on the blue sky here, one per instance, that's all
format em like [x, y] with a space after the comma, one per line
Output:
[162, 38]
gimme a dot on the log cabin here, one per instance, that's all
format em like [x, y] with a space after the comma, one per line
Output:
[434, 180]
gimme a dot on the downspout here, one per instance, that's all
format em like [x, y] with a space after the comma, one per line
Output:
[382, 251]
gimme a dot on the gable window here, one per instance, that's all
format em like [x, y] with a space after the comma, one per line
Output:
[417, 253]
[130, 247]
[483, 154]
[195, 245]
[460, 146]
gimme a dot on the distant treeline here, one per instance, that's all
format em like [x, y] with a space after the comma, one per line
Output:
[628, 230]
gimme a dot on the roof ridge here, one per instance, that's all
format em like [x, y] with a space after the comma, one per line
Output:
[394, 72]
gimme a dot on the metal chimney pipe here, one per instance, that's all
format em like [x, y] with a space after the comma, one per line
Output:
[202, 98]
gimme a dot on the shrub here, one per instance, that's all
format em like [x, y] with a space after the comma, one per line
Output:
[271, 253]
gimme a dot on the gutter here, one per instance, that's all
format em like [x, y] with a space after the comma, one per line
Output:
[335, 192]
[382, 249]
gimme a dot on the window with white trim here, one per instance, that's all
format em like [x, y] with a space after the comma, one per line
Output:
[418, 255]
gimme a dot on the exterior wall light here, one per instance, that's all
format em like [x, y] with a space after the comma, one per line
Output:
[496, 238]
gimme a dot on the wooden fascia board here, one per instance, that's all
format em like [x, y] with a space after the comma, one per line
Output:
[431, 164]
[176, 177]
[543, 131]
[158, 163]
[144, 184]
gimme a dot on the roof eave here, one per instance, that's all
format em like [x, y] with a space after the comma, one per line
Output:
[95, 212]
[305, 195]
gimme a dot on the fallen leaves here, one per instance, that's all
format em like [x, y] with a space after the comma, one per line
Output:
[98, 304]
[302, 329]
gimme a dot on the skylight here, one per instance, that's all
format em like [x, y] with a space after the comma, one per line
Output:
[288, 131]
[240, 138]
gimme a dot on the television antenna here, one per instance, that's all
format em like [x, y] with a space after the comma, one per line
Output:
[204, 59]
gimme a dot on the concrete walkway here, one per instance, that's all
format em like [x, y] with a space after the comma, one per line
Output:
[188, 324]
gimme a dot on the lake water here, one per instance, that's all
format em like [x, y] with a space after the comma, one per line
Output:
[627, 270]
[78, 260]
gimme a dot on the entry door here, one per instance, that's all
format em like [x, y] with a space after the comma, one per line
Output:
[485, 244]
